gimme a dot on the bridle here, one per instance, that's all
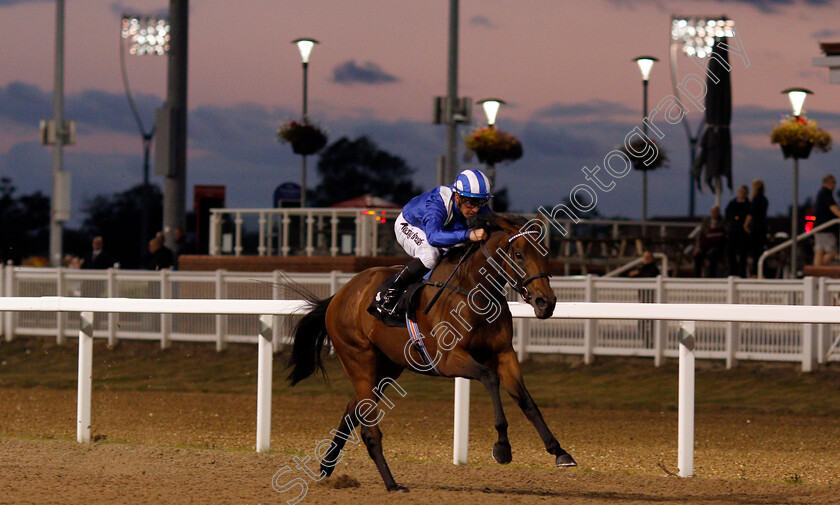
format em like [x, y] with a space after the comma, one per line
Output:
[520, 287]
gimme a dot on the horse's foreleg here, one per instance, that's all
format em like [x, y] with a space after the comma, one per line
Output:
[461, 364]
[511, 377]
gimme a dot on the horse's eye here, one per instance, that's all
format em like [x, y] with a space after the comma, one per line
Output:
[518, 255]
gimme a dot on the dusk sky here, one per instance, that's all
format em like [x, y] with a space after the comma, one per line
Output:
[564, 67]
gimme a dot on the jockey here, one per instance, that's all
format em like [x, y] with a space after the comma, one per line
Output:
[433, 221]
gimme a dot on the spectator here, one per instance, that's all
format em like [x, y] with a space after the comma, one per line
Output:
[756, 223]
[160, 256]
[648, 268]
[710, 244]
[184, 244]
[825, 249]
[97, 259]
[736, 243]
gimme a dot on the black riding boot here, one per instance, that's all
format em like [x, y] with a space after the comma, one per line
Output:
[411, 273]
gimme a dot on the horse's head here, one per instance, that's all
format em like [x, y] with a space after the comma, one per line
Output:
[515, 243]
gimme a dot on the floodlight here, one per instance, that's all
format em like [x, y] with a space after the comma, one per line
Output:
[797, 99]
[491, 108]
[645, 64]
[698, 33]
[305, 47]
[148, 34]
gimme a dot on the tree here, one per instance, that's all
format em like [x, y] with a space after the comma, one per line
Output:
[25, 229]
[352, 168]
[117, 219]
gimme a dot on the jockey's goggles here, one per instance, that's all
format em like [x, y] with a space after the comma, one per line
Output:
[473, 202]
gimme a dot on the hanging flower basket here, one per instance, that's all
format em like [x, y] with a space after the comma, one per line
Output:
[491, 145]
[644, 147]
[797, 136]
[306, 138]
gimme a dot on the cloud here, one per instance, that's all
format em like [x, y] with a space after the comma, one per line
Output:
[826, 34]
[93, 110]
[771, 5]
[591, 109]
[370, 73]
[482, 21]
[10, 3]
[119, 8]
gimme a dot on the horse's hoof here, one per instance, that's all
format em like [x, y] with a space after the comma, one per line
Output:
[565, 460]
[398, 489]
[327, 470]
[501, 453]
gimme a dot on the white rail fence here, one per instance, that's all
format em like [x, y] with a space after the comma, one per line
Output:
[729, 341]
[685, 314]
[366, 231]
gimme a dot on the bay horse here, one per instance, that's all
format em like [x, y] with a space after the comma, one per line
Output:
[374, 355]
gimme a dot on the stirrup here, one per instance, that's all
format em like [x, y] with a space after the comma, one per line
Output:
[388, 301]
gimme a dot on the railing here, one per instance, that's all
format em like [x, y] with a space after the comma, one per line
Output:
[787, 244]
[663, 258]
[630, 337]
[367, 231]
[685, 314]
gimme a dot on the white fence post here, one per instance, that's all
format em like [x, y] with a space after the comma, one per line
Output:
[9, 317]
[733, 330]
[112, 317]
[522, 331]
[685, 421]
[221, 320]
[276, 294]
[659, 328]
[60, 317]
[808, 335]
[462, 421]
[265, 356]
[823, 330]
[165, 319]
[590, 326]
[85, 377]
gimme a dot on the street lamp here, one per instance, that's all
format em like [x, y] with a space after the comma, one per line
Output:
[144, 35]
[797, 100]
[491, 109]
[305, 47]
[645, 65]
[695, 35]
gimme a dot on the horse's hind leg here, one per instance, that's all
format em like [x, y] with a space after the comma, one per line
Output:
[511, 377]
[346, 432]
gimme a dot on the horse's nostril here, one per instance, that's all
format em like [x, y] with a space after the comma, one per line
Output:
[541, 303]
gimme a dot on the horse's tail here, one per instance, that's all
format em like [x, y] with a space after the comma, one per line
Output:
[310, 334]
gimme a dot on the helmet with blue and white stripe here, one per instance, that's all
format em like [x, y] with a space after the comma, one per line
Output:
[473, 184]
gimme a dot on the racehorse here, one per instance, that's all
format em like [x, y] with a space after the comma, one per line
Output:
[374, 355]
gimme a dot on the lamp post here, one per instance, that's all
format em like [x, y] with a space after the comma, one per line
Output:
[797, 100]
[645, 65]
[148, 35]
[305, 47]
[491, 109]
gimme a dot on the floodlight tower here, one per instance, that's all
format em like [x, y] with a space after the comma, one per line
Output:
[695, 35]
[144, 35]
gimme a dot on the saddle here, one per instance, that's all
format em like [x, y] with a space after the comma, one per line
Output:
[406, 305]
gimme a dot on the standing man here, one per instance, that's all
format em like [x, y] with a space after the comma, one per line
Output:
[736, 243]
[98, 258]
[825, 249]
[756, 223]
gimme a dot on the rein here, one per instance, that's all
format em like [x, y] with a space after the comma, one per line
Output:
[520, 287]
[446, 282]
